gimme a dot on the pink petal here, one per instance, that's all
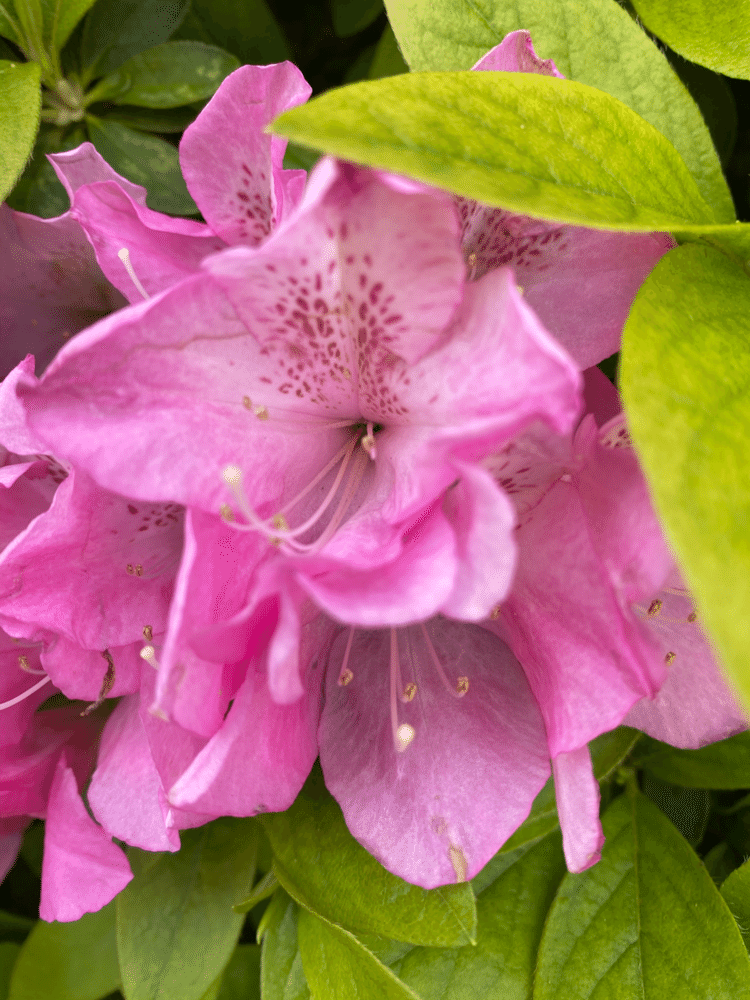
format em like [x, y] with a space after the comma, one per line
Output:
[126, 793]
[438, 811]
[515, 54]
[577, 794]
[10, 843]
[82, 869]
[80, 673]
[232, 167]
[83, 165]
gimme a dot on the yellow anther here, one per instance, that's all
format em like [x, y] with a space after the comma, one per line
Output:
[520, 289]
[148, 633]
[260, 412]
[346, 373]
[670, 658]
[462, 685]
[279, 522]
[23, 663]
[226, 512]
[345, 677]
[692, 616]
[368, 443]
[138, 569]
[247, 402]
[404, 735]
[495, 613]
[654, 607]
[410, 691]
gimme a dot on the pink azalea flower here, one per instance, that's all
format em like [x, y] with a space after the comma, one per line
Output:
[237, 182]
[580, 282]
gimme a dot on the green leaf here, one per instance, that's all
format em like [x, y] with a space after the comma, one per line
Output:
[60, 18]
[13, 927]
[31, 21]
[265, 888]
[281, 974]
[241, 980]
[709, 33]
[647, 921]
[387, 60]
[714, 97]
[8, 955]
[175, 925]
[533, 144]
[352, 16]
[39, 192]
[20, 104]
[116, 30]
[736, 892]
[324, 869]
[146, 160]
[172, 120]
[725, 764]
[247, 28]
[8, 23]
[595, 42]
[511, 914]
[336, 964]
[75, 961]
[687, 808]
[167, 76]
[685, 379]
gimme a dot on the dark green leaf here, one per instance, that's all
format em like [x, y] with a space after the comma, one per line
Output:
[725, 764]
[167, 76]
[60, 18]
[687, 808]
[264, 888]
[712, 34]
[299, 158]
[241, 979]
[75, 961]
[720, 862]
[685, 379]
[13, 927]
[511, 914]
[20, 104]
[281, 972]
[387, 60]
[115, 30]
[595, 42]
[336, 964]
[532, 144]
[247, 28]
[352, 16]
[736, 893]
[172, 120]
[39, 192]
[323, 867]
[8, 23]
[647, 921]
[714, 97]
[146, 160]
[8, 955]
[175, 925]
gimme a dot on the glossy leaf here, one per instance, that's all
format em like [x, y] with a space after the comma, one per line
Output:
[647, 921]
[146, 160]
[595, 42]
[281, 974]
[725, 764]
[736, 892]
[510, 918]
[115, 30]
[533, 144]
[685, 379]
[708, 33]
[20, 104]
[323, 867]
[262, 890]
[387, 60]
[168, 76]
[247, 28]
[8, 23]
[170, 121]
[75, 961]
[336, 964]
[38, 190]
[60, 18]
[241, 979]
[175, 925]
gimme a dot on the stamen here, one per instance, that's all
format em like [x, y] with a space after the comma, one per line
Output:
[654, 608]
[25, 695]
[148, 633]
[136, 570]
[495, 613]
[345, 674]
[124, 256]
[409, 692]
[471, 260]
[462, 685]
[148, 653]
[107, 684]
[226, 512]
[368, 441]
[402, 734]
[692, 617]
[670, 658]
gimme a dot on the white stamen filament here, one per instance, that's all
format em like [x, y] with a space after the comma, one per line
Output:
[345, 674]
[25, 695]
[368, 441]
[124, 255]
[462, 684]
[402, 734]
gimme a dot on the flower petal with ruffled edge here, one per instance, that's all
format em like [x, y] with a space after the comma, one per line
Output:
[82, 870]
[436, 812]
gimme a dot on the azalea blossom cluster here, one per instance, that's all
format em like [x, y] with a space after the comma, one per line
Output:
[329, 474]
